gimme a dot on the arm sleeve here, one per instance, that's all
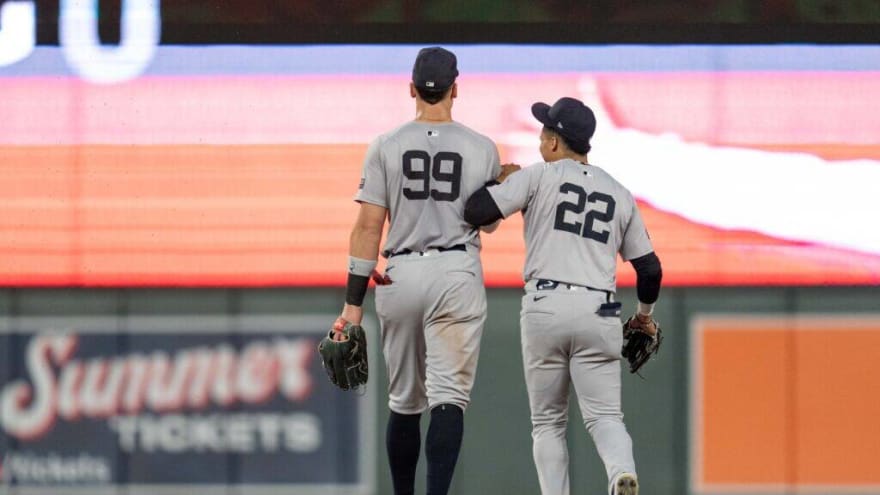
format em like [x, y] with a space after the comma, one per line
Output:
[648, 277]
[372, 187]
[517, 190]
[481, 209]
[636, 241]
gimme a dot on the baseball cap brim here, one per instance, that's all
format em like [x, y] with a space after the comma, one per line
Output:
[541, 111]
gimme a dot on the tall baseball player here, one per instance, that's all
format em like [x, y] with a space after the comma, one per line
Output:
[431, 301]
[577, 219]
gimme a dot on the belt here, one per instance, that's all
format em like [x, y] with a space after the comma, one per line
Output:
[457, 247]
[545, 284]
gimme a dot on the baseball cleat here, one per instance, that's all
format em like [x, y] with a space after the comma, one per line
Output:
[626, 484]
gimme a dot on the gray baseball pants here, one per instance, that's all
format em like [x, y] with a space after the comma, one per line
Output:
[432, 318]
[565, 342]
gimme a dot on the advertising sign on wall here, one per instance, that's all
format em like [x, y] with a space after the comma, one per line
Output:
[189, 404]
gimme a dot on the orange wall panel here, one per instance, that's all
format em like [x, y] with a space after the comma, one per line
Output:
[785, 404]
[744, 433]
[838, 407]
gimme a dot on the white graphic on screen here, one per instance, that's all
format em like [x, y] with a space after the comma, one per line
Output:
[788, 195]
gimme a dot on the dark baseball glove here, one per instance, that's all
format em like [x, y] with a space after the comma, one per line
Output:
[638, 344]
[345, 360]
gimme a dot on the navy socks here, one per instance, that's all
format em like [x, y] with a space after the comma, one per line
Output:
[442, 446]
[403, 439]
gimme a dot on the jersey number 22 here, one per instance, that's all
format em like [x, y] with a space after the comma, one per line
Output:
[585, 229]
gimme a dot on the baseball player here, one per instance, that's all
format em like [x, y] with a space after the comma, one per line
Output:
[431, 301]
[577, 219]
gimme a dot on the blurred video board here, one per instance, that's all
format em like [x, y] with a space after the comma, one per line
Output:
[235, 165]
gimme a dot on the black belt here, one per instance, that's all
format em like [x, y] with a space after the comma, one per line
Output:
[545, 284]
[457, 247]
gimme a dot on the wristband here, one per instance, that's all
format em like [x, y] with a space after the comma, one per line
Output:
[356, 289]
[646, 309]
[360, 266]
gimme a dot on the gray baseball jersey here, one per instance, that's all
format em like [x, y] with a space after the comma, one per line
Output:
[423, 173]
[433, 312]
[577, 218]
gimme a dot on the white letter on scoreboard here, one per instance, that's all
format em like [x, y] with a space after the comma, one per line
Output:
[18, 31]
[78, 33]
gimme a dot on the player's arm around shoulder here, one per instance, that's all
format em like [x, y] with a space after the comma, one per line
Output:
[505, 171]
[481, 209]
[363, 256]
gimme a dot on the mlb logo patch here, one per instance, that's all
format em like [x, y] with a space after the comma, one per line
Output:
[433, 133]
[361, 185]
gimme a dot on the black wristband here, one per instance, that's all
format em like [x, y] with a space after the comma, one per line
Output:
[356, 289]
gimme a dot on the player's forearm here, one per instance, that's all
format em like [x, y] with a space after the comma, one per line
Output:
[364, 242]
[363, 253]
[649, 275]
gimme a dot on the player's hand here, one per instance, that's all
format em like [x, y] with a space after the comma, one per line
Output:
[507, 169]
[644, 323]
[350, 314]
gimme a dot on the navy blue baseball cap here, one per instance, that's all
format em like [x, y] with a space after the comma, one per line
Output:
[435, 69]
[570, 118]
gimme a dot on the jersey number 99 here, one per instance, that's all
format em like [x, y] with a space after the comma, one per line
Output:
[423, 176]
[585, 229]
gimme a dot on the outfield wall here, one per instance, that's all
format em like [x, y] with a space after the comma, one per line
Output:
[756, 390]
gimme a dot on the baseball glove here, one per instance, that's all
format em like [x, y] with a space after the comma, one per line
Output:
[638, 345]
[345, 360]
